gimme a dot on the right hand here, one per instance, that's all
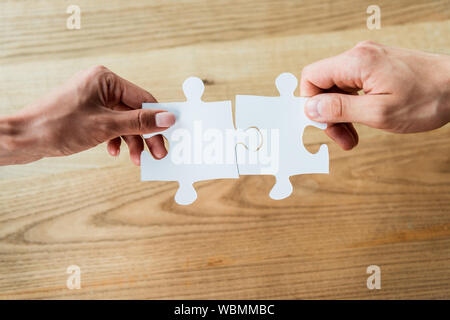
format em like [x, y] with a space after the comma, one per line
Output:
[404, 91]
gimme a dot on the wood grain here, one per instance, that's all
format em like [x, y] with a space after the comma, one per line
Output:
[386, 203]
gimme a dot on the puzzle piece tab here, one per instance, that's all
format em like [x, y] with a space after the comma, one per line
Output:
[280, 122]
[199, 143]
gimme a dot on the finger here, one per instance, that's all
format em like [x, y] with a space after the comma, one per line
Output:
[343, 135]
[156, 146]
[336, 89]
[113, 146]
[133, 96]
[138, 122]
[342, 71]
[336, 108]
[353, 131]
[135, 147]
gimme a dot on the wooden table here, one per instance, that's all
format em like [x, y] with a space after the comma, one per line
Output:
[385, 203]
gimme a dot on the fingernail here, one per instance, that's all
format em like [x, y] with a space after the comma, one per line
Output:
[136, 160]
[312, 108]
[114, 152]
[164, 119]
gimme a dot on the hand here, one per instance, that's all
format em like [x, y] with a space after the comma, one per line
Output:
[404, 91]
[94, 106]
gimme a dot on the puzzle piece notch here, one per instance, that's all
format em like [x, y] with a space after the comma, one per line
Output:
[282, 188]
[285, 113]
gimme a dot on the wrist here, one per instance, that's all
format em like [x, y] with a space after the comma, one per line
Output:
[444, 84]
[13, 140]
[9, 133]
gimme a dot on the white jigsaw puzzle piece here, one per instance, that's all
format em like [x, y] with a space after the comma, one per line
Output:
[278, 150]
[200, 143]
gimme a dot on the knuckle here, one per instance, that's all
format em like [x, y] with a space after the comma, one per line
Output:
[304, 77]
[305, 71]
[367, 51]
[309, 70]
[105, 80]
[145, 121]
[336, 107]
[366, 43]
[382, 116]
[93, 74]
[140, 123]
[100, 74]
[109, 79]
[109, 125]
[98, 69]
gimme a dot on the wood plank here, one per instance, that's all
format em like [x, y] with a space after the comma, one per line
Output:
[37, 29]
[386, 202]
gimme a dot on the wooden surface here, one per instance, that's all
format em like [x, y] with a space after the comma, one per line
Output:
[386, 203]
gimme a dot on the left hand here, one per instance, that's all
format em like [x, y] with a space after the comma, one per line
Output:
[94, 106]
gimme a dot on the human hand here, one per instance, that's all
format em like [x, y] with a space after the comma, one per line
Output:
[404, 91]
[94, 106]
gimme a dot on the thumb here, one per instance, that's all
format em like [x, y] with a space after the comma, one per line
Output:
[140, 121]
[335, 108]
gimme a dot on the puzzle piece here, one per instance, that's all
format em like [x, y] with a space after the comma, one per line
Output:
[279, 150]
[199, 143]
[270, 129]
